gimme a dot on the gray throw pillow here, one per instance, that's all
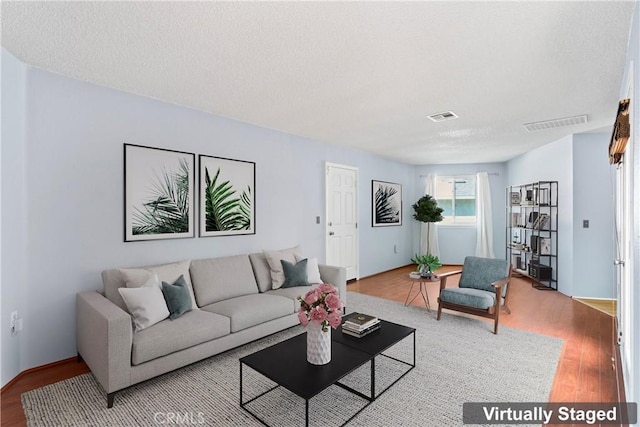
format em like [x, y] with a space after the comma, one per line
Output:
[295, 274]
[178, 297]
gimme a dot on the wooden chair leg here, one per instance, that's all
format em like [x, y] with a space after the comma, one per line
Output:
[495, 325]
[439, 310]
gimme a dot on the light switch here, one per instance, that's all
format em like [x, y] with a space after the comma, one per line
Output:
[317, 220]
[585, 223]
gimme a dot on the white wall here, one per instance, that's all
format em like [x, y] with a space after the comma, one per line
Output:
[553, 162]
[593, 247]
[580, 165]
[457, 242]
[74, 192]
[13, 210]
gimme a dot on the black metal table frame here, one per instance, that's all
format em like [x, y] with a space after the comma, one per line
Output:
[370, 399]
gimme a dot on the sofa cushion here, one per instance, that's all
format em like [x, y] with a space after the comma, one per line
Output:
[274, 258]
[145, 304]
[177, 297]
[251, 310]
[133, 277]
[261, 271]
[218, 279]
[470, 297]
[313, 271]
[169, 336]
[294, 274]
[292, 294]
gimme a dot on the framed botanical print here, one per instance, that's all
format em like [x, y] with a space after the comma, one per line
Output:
[386, 202]
[158, 193]
[227, 196]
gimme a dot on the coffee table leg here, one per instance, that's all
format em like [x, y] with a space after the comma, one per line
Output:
[373, 379]
[240, 384]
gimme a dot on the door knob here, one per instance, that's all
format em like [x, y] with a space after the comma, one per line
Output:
[331, 233]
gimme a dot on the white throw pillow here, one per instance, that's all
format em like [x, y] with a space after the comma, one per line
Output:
[313, 272]
[146, 305]
[136, 277]
[274, 258]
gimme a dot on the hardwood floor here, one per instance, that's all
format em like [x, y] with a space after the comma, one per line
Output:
[584, 371]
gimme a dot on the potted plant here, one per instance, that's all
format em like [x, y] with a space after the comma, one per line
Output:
[426, 210]
[426, 264]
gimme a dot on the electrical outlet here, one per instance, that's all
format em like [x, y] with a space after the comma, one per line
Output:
[14, 323]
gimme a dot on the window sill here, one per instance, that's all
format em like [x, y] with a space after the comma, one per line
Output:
[457, 225]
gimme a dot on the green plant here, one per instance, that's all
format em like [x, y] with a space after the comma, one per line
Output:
[431, 262]
[168, 210]
[426, 210]
[224, 211]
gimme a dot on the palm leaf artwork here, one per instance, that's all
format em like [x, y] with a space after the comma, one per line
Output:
[224, 211]
[386, 211]
[168, 210]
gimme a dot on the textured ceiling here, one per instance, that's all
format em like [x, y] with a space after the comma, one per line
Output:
[360, 74]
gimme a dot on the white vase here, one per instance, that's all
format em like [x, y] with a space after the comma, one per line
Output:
[318, 344]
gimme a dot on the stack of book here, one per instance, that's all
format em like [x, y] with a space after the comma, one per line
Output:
[359, 324]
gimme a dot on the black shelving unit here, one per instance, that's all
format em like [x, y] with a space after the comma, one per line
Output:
[532, 232]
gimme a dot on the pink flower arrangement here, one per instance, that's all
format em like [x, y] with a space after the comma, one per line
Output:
[321, 305]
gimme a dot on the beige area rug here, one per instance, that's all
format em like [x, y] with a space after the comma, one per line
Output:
[458, 360]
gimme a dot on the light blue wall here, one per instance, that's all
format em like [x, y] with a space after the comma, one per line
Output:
[632, 68]
[74, 182]
[553, 162]
[580, 165]
[593, 249]
[456, 242]
[13, 210]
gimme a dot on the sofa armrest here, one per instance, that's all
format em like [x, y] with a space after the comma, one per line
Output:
[104, 337]
[337, 276]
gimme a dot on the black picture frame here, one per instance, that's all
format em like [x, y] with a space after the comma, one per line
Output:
[159, 193]
[227, 198]
[386, 204]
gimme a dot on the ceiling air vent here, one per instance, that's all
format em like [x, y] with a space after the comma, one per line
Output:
[441, 117]
[556, 123]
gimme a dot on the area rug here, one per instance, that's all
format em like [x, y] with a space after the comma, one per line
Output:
[458, 360]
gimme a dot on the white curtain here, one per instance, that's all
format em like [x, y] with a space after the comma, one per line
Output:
[430, 189]
[484, 235]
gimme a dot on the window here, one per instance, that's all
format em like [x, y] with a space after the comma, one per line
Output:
[457, 196]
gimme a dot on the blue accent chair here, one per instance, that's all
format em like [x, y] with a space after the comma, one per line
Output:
[483, 288]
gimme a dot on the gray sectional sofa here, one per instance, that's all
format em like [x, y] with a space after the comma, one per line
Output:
[235, 305]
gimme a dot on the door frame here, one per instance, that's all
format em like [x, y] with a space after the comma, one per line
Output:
[357, 212]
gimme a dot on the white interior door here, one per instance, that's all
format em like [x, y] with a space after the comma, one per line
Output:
[342, 217]
[624, 245]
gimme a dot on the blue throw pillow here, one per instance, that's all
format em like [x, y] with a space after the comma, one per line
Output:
[177, 297]
[295, 274]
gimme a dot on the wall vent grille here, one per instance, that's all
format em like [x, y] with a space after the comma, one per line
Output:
[556, 123]
[441, 117]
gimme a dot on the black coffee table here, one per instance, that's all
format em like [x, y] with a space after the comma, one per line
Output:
[286, 364]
